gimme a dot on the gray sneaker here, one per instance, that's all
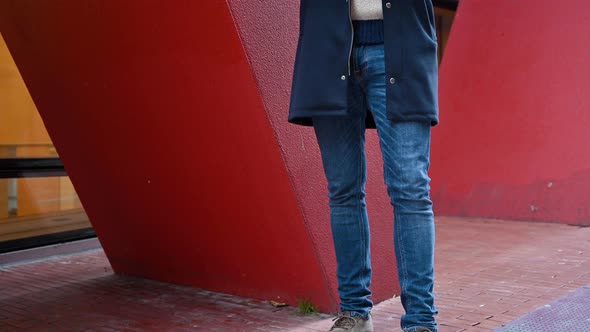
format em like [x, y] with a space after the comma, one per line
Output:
[345, 323]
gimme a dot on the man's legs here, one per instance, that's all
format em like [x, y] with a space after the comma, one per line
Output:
[342, 144]
[406, 155]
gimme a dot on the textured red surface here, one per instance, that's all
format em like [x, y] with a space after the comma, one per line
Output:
[157, 117]
[514, 113]
[269, 30]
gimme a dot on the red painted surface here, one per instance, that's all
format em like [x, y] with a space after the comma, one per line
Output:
[514, 113]
[157, 117]
[269, 30]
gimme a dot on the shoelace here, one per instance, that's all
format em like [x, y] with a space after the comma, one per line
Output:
[344, 322]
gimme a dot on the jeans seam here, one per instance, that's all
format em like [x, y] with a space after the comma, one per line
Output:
[403, 260]
[360, 180]
[362, 276]
[397, 226]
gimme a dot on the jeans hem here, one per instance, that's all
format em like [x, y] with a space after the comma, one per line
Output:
[415, 328]
[363, 314]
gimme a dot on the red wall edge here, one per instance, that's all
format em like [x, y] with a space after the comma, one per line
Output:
[157, 117]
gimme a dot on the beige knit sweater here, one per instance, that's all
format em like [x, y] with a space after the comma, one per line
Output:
[366, 10]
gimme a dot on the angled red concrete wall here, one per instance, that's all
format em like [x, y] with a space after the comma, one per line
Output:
[269, 30]
[515, 113]
[155, 111]
[174, 134]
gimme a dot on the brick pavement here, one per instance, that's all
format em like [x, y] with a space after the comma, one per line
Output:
[489, 273]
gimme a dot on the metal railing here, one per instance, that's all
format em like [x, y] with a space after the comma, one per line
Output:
[12, 166]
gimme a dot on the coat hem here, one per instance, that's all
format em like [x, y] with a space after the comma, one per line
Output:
[305, 118]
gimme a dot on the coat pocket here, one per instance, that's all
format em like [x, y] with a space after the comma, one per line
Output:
[426, 14]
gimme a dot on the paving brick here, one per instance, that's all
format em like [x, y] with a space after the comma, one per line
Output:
[489, 272]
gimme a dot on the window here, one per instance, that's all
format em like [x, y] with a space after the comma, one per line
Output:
[38, 203]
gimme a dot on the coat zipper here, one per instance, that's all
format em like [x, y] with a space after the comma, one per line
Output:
[351, 33]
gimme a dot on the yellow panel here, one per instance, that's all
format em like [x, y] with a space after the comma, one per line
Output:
[38, 196]
[68, 197]
[20, 123]
[36, 151]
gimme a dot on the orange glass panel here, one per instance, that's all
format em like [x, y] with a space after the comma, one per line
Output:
[22, 132]
[30, 206]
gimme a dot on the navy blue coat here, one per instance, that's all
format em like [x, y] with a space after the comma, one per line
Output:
[323, 52]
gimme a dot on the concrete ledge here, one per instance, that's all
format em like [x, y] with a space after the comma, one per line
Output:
[67, 248]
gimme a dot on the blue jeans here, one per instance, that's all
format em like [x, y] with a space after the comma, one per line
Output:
[405, 147]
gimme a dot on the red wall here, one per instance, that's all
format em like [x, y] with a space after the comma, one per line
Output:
[170, 118]
[156, 114]
[514, 96]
